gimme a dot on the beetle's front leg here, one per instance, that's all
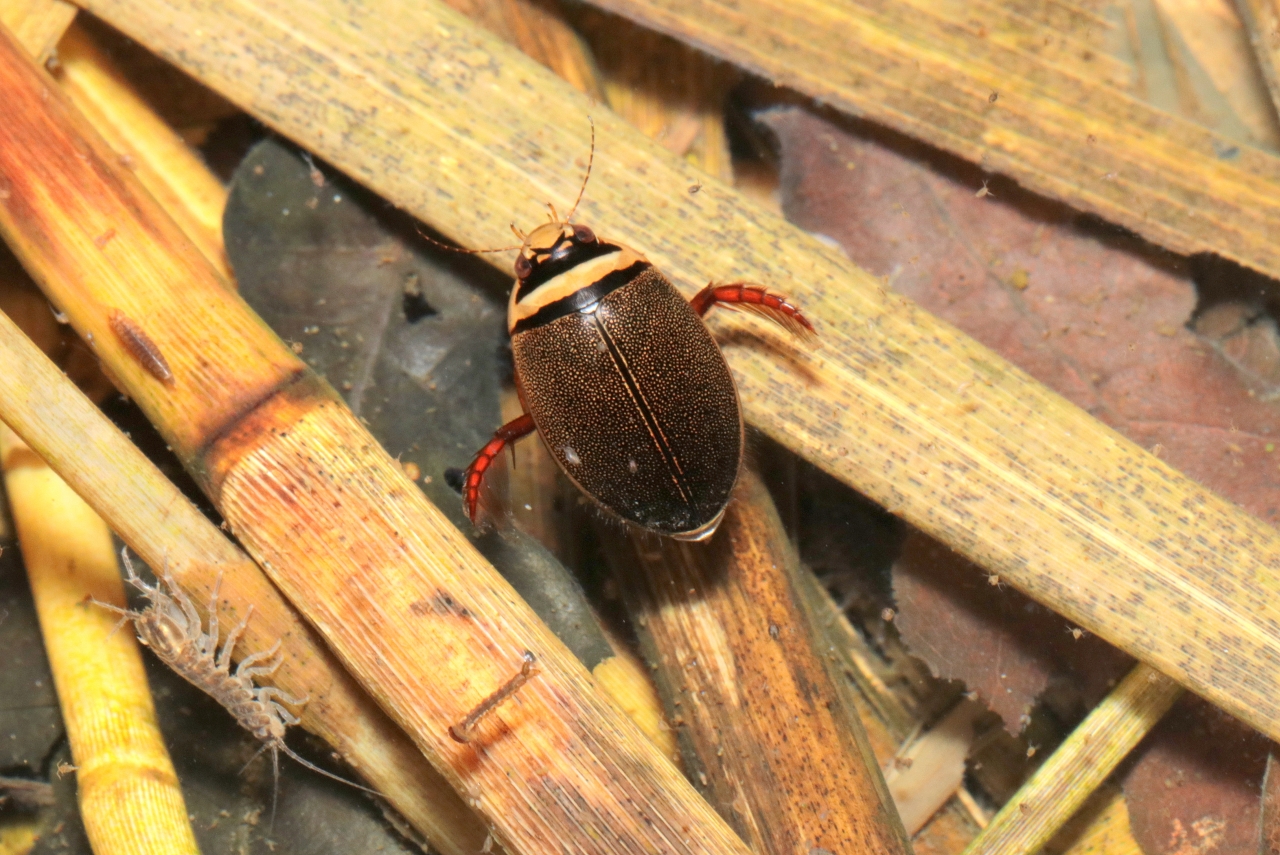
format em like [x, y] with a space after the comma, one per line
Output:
[502, 437]
[755, 298]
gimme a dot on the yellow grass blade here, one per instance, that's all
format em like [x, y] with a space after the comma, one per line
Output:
[130, 800]
[162, 526]
[403, 597]
[1079, 766]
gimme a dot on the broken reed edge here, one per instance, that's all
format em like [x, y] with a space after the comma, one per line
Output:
[926, 772]
[373, 540]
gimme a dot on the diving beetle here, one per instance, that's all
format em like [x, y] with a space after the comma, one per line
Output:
[621, 378]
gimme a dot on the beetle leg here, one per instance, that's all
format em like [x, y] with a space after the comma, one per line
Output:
[502, 437]
[755, 298]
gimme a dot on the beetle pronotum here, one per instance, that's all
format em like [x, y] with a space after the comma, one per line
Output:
[622, 380]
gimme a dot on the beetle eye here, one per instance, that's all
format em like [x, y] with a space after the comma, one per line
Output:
[583, 234]
[523, 267]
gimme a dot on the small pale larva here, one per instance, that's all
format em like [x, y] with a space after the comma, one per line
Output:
[171, 627]
[141, 347]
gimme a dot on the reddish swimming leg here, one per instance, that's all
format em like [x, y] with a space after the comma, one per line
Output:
[755, 298]
[502, 437]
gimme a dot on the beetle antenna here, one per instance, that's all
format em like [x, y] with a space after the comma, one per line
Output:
[591, 158]
[429, 239]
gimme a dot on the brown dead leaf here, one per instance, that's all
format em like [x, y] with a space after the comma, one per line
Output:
[971, 626]
[1089, 311]
[1102, 318]
[1195, 788]
[1269, 823]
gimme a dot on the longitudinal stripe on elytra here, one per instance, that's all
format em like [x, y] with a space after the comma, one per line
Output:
[646, 411]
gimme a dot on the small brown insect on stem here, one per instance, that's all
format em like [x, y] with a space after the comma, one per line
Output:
[462, 732]
[141, 347]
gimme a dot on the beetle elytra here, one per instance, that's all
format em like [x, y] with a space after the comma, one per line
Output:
[622, 379]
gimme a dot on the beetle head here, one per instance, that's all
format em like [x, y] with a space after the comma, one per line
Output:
[550, 242]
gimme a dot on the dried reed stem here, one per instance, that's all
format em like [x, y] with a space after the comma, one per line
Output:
[852, 661]
[162, 161]
[162, 526]
[1262, 20]
[129, 796]
[1079, 766]
[897, 403]
[402, 597]
[766, 734]
[38, 24]
[668, 91]
[921, 68]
